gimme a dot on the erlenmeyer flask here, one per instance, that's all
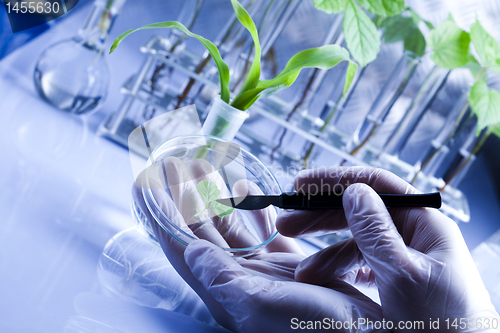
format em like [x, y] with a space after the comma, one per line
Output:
[73, 75]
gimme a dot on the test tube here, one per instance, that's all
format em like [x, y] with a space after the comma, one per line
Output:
[432, 158]
[380, 108]
[465, 157]
[432, 84]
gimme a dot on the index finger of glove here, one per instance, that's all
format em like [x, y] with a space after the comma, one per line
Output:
[335, 179]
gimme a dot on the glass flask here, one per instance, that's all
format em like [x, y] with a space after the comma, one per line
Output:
[73, 75]
[134, 268]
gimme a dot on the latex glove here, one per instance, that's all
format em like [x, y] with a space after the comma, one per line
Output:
[247, 295]
[417, 258]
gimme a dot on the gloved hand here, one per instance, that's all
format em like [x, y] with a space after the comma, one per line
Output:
[257, 294]
[416, 257]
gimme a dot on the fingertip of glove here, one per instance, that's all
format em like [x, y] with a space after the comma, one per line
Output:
[302, 272]
[285, 224]
[197, 250]
[359, 195]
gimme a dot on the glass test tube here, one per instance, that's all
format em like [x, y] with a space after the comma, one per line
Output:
[380, 108]
[312, 82]
[331, 113]
[466, 156]
[432, 84]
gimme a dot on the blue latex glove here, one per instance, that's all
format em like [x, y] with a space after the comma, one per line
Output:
[416, 258]
[257, 294]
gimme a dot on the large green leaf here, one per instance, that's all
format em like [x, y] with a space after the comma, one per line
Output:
[398, 28]
[415, 43]
[450, 45]
[487, 48]
[214, 52]
[361, 34]
[383, 7]
[485, 104]
[324, 57]
[330, 6]
[245, 19]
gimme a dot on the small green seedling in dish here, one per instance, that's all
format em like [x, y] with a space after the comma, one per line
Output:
[210, 193]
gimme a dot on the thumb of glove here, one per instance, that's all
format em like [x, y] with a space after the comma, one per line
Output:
[225, 279]
[375, 233]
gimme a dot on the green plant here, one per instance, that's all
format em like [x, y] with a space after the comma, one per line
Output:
[209, 192]
[324, 57]
[361, 35]
[451, 48]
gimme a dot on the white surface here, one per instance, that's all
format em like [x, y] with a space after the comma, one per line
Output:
[64, 193]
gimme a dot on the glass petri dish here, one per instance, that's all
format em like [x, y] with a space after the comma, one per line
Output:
[176, 204]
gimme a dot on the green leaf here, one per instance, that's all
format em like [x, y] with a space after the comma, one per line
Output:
[208, 191]
[383, 7]
[324, 57]
[496, 130]
[428, 24]
[214, 52]
[377, 20]
[485, 104]
[486, 46]
[450, 45]
[220, 209]
[415, 43]
[352, 68]
[245, 19]
[361, 34]
[330, 6]
[414, 16]
[398, 28]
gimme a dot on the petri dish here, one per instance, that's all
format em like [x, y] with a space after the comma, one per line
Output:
[168, 193]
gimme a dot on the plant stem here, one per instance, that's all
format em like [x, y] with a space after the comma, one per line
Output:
[295, 108]
[445, 142]
[201, 211]
[478, 77]
[191, 81]
[342, 100]
[156, 73]
[201, 66]
[321, 130]
[372, 132]
[474, 152]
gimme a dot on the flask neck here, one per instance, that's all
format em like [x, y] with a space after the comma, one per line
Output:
[98, 23]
